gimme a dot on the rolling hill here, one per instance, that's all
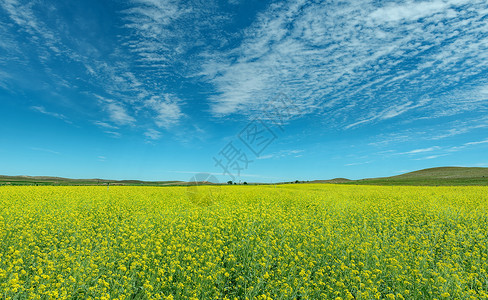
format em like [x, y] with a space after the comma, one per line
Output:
[432, 177]
[46, 180]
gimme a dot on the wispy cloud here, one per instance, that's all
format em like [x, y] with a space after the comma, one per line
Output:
[114, 134]
[126, 89]
[43, 110]
[433, 132]
[356, 62]
[389, 112]
[431, 157]
[23, 15]
[282, 153]
[117, 112]
[164, 34]
[167, 110]
[466, 145]
[45, 150]
[153, 134]
[483, 165]
[423, 150]
[410, 11]
[358, 163]
[476, 143]
[442, 151]
[105, 125]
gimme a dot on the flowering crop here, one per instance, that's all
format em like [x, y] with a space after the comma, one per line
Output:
[306, 241]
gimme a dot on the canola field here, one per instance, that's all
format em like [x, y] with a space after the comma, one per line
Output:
[302, 241]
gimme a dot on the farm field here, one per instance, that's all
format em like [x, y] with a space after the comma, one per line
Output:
[306, 241]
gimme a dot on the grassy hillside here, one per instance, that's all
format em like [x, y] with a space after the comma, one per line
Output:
[433, 176]
[335, 180]
[45, 180]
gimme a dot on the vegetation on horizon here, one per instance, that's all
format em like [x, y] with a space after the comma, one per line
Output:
[444, 176]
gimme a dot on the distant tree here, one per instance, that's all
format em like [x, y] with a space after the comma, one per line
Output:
[235, 182]
[245, 182]
[296, 181]
[229, 182]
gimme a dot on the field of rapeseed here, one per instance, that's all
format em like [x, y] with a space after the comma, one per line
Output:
[257, 242]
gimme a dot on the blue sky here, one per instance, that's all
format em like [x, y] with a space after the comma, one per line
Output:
[257, 90]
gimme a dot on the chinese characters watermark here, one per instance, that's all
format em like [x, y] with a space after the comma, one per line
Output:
[203, 189]
[256, 136]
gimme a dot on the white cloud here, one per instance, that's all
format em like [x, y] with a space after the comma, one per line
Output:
[416, 151]
[484, 92]
[161, 33]
[114, 134]
[430, 157]
[23, 15]
[45, 150]
[132, 94]
[153, 134]
[117, 75]
[117, 112]
[410, 10]
[105, 125]
[458, 127]
[42, 110]
[167, 110]
[388, 113]
[356, 62]
[281, 154]
[358, 163]
[476, 143]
